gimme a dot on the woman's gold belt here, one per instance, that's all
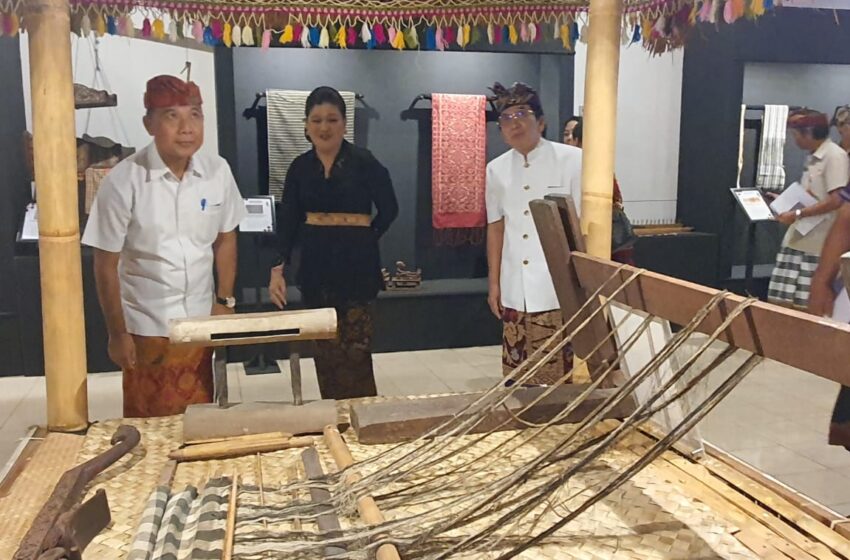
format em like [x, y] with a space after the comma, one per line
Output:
[338, 219]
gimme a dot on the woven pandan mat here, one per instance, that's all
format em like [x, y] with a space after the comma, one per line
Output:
[645, 519]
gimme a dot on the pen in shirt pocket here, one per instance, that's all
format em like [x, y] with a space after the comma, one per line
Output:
[203, 204]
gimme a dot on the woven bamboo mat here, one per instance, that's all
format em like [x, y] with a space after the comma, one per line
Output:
[56, 454]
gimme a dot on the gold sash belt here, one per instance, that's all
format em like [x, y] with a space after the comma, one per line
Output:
[338, 219]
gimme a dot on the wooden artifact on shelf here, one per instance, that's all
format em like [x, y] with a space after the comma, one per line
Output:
[90, 98]
[403, 279]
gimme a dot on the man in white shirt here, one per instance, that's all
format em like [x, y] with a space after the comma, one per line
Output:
[161, 221]
[521, 292]
[827, 170]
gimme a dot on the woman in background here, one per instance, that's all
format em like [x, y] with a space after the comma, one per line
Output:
[328, 199]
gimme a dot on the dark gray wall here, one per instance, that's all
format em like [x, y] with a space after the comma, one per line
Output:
[399, 138]
[712, 93]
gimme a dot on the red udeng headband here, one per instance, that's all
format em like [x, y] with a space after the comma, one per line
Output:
[169, 91]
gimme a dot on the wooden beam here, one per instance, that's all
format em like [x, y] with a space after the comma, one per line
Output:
[402, 419]
[552, 230]
[569, 217]
[845, 270]
[60, 261]
[788, 336]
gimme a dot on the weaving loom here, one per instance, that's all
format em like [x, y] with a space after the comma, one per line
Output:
[595, 488]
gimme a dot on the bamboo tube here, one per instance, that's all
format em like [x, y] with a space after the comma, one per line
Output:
[366, 506]
[600, 128]
[242, 439]
[54, 146]
[230, 528]
[225, 449]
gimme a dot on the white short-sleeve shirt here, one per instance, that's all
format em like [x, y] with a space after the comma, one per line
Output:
[164, 229]
[552, 169]
[827, 169]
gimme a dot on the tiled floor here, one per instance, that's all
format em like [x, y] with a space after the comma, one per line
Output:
[776, 420]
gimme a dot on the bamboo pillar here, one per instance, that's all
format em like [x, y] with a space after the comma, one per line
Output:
[54, 143]
[600, 124]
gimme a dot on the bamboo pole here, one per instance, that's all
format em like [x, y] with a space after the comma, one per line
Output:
[366, 506]
[54, 146]
[600, 124]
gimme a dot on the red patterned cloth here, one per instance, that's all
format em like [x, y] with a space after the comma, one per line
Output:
[459, 159]
[166, 378]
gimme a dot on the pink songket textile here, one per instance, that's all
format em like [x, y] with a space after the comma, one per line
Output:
[459, 160]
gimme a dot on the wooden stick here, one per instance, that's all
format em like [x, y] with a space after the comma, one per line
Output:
[49, 30]
[242, 439]
[292, 475]
[328, 522]
[230, 530]
[226, 449]
[366, 506]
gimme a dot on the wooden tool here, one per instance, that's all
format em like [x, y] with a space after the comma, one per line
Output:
[366, 506]
[230, 528]
[328, 522]
[254, 328]
[224, 449]
[245, 438]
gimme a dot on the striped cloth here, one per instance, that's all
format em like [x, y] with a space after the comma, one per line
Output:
[791, 280]
[770, 173]
[285, 110]
[145, 539]
[184, 526]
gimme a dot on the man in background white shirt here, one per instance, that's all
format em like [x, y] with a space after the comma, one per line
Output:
[161, 220]
[521, 292]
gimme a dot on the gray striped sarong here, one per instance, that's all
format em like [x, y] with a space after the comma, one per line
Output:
[791, 280]
[285, 110]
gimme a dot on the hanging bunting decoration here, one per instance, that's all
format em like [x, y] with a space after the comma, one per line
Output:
[660, 24]
[227, 35]
[248, 36]
[267, 39]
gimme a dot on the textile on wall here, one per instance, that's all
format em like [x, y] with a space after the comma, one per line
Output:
[770, 174]
[286, 138]
[459, 159]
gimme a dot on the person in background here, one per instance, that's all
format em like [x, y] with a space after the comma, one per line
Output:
[623, 255]
[326, 207]
[521, 293]
[569, 126]
[841, 122]
[827, 170]
[161, 221]
[826, 285]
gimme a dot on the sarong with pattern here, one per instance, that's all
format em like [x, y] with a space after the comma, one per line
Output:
[166, 378]
[459, 160]
[523, 333]
[791, 280]
[344, 364]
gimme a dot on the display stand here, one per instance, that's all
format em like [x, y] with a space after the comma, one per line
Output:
[260, 224]
[757, 211]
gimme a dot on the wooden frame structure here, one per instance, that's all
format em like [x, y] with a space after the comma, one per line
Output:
[794, 338]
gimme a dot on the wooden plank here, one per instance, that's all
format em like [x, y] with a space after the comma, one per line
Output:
[695, 489]
[800, 501]
[327, 520]
[571, 296]
[744, 493]
[760, 546]
[569, 217]
[402, 419]
[769, 330]
[783, 507]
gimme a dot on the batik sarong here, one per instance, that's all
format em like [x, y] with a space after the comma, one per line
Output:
[166, 378]
[522, 334]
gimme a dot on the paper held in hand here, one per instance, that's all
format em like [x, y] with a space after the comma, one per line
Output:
[792, 198]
